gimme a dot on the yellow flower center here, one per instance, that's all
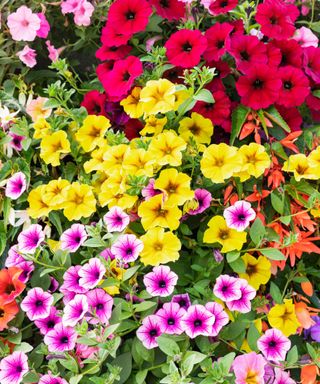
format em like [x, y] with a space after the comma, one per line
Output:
[95, 131]
[219, 162]
[157, 246]
[194, 129]
[224, 234]
[77, 199]
[301, 169]
[252, 377]
[251, 269]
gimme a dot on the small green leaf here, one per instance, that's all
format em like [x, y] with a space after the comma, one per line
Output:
[257, 231]
[273, 114]
[252, 337]
[204, 95]
[168, 346]
[238, 266]
[273, 254]
[292, 356]
[275, 293]
[232, 256]
[239, 117]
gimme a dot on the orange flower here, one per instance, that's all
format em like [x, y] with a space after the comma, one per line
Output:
[309, 374]
[10, 285]
[257, 196]
[303, 315]
[289, 140]
[7, 313]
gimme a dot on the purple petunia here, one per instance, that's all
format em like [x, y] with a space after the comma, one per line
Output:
[197, 321]
[16, 141]
[100, 305]
[75, 310]
[71, 280]
[203, 198]
[73, 238]
[148, 332]
[48, 323]
[37, 304]
[170, 316]
[182, 299]
[91, 273]
[127, 248]
[227, 288]
[161, 281]
[50, 379]
[30, 239]
[221, 317]
[14, 259]
[13, 368]
[16, 185]
[116, 220]
[60, 338]
[274, 345]
[243, 303]
[239, 215]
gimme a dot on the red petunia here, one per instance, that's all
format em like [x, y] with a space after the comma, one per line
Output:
[295, 86]
[169, 9]
[129, 16]
[277, 18]
[274, 55]
[222, 68]
[10, 285]
[218, 7]
[119, 80]
[259, 87]
[217, 37]
[291, 116]
[312, 101]
[112, 52]
[112, 37]
[247, 51]
[291, 52]
[311, 63]
[185, 47]
[93, 102]
[219, 111]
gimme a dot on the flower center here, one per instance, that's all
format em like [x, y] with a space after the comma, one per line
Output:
[301, 169]
[224, 288]
[9, 289]
[272, 344]
[195, 130]
[220, 44]
[164, 3]
[153, 332]
[171, 321]
[38, 303]
[25, 23]
[51, 324]
[1, 313]
[126, 76]
[258, 84]
[19, 368]
[224, 234]
[157, 246]
[182, 303]
[162, 284]
[244, 55]
[197, 323]
[64, 340]
[287, 85]
[223, 4]
[130, 15]
[187, 47]
[241, 217]
[252, 377]
[99, 306]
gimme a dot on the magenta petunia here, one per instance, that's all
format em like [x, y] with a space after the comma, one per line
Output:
[170, 316]
[16, 185]
[37, 304]
[218, 38]
[30, 239]
[50, 379]
[185, 47]
[100, 305]
[183, 299]
[197, 321]
[274, 345]
[218, 7]
[282, 377]
[91, 273]
[311, 63]
[13, 368]
[239, 215]
[148, 332]
[116, 220]
[14, 259]
[44, 29]
[243, 303]
[73, 238]
[48, 323]
[94, 101]
[161, 281]
[203, 198]
[221, 317]
[60, 338]
[127, 248]
[295, 86]
[149, 191]
[16, 141]
[227, 288]
[169, 9]
[75, 310]
[106, 52]
[71, 280]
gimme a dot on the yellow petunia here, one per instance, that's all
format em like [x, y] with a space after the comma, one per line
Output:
[96, 162]
[79, 201]
[258, 270]
[113, 158]
[41, 128]
[37, 206]
[153, 125]
[159, 247]
[92, 132]
[219, 232]
[196, 127]
[167, 147]
[52, 146]
[54, 195]
[157, 213]
[255, 161]
[132, 105]
[314, 158]
[220, 162]
[176, 186]
[158, 96]
[138, 162]
[283, 317]
[301, 167]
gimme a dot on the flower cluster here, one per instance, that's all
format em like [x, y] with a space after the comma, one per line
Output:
[160, 204]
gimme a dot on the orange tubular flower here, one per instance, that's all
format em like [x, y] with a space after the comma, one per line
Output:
[257, 196]
[274, 174]
[10, 285]
[289, 140]
[309, 374]
[7, 313]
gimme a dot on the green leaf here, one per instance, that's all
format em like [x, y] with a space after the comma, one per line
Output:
[204, 95]
[24, 347]
[144, 306]
[168, 346]
[226, 361]
[75, 379]
[316, 93]
[257, 231]
[130, 272]
[239, 117]
[238, 266]
[277, 201]
[273, 254]
[273, 114]
[252, 337]
[232, 256]
[293, 356]
[125, 362]
[275, 293]
[140, 376]
[30, 377]
[189, 360]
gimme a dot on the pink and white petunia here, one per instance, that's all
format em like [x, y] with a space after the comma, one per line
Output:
[16, 185]
[75, 310]
[30, 239]
[13, 368]
[91, 273]
[73, 238]
[116, 220]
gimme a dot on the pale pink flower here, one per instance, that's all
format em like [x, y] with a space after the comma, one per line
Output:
[23, 24]
[305, 37]
[36, 109]
[70, 6]
[82, 15]
[44, 26]
[247, 366]
[53, 52]
[28, 56]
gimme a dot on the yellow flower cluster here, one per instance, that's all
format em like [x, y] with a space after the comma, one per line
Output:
[221, 161]
[304, 167]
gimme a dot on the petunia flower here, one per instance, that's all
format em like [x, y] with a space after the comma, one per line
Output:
[30, 239]
[170, 316]
[37, 304]
[61, 338]
[127, 248]
[23, 24]
[91, 273]
[116, 219]
[221, 317]
[274, 345]
[243, 303]
[239, 215]
[48, 323]
[73, 238]
[249, 368]
[148, 332]
[161, 281]
[197, 321]
[16, 185]
[75, 310]
[13, 368]
[50, 379]
[28, 56]
[100, 305]
[227, 288]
